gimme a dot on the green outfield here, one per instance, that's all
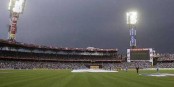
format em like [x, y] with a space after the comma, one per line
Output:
[64, 78]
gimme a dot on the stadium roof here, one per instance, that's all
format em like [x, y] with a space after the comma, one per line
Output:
[20, 45]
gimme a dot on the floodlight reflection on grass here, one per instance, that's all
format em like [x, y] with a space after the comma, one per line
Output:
[132, 18]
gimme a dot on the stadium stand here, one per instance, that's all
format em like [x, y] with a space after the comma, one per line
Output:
[165, 60]
[166, 57]
[16, 55]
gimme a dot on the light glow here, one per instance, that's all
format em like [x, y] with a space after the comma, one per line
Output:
[16, 6]
[10, 4]
[132, 18]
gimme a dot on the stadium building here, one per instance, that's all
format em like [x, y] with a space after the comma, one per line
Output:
[29, 56]
[17, 55]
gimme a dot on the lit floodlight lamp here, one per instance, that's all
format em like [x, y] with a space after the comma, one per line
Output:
[132, 18]
[16, 5]
[11, 4]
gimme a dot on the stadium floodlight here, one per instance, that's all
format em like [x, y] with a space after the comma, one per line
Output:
[16, 6]
[10, 5]
[132, 18]
[131, 21]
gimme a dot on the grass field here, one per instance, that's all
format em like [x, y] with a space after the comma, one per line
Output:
[64, 78]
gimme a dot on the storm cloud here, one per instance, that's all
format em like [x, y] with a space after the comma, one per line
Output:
[96, 23]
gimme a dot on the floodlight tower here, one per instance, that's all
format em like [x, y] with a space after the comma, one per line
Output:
[16, 7]
[131, 21]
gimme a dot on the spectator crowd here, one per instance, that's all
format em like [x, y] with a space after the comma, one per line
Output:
[166, 57]
[6, 64]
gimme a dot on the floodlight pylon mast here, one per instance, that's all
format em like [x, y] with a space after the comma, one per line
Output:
[131, 21]
[16, 7]
[13, 26]
[132, 31]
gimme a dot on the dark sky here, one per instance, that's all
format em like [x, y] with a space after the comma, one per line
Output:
[96, 23]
